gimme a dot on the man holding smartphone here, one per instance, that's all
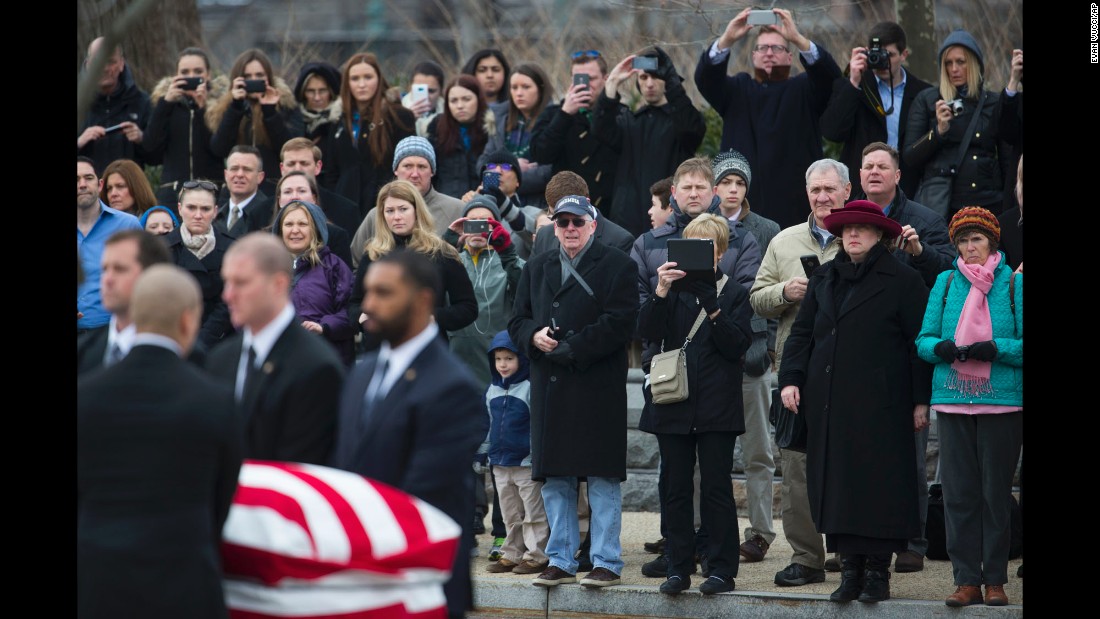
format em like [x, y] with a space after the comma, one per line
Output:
[114, 124]
[562, 135]
[652, 140]
[770, 117]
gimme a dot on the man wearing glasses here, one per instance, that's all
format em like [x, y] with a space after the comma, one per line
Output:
[562, 135]
[575, 311]
[872, 105]
[770, 117]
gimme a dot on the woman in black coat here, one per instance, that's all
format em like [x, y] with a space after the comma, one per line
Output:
[198, 247]
[934, 133]
[403, 223]
[459, 135]
[177, 134]
[851, 368]
[708, 422]
[265, 119]
[362, 142]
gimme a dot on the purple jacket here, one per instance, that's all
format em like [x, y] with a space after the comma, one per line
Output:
[321, 294]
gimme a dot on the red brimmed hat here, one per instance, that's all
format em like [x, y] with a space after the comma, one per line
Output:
[861, 212]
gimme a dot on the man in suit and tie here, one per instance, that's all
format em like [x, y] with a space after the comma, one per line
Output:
[159, 448]
[566, 183]
[286, 380]
[247, 209]
[411, 414]
[126, 254]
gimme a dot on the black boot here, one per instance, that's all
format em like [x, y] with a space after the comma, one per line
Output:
[876, 579]
[851, 579]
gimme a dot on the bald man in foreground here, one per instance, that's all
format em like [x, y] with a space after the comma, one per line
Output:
[159, 448]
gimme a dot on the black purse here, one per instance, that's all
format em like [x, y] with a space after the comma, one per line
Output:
[790, 429]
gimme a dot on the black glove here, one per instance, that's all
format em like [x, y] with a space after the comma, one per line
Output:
[665, 68]
[562, 354]
[946, 350]
[707, 293]
[983, 351]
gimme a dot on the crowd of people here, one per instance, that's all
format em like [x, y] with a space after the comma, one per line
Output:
[442, 286]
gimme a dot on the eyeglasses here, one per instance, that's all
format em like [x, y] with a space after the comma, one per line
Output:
[588, 53]
[578, 222]
[502, 167]
[762, 49]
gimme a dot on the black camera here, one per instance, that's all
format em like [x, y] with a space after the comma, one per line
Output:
[191, 83]
[963, 354]
[877, 58]
[956, 106]
[255, 86]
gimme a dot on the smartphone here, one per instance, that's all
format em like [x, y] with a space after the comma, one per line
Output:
[645, 63]
[581, 78]
[251, 86]
[810, 263]
[553, 333]
[191, 83]
[419, 91]
[112, 129]
[762, 17]
[475, 226]
[491, 180]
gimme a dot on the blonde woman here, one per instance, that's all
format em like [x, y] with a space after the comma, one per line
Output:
[402, 221]
[322, 281]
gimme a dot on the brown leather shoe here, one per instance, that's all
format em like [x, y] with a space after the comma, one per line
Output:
[529, 567]
[909, 561]
[754, 549]
[995, 595]
[965, 595]
[500, 566]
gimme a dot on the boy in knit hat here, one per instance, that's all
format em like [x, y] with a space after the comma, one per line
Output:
[509, 448]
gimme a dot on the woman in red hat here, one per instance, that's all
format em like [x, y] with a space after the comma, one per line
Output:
[852, 369]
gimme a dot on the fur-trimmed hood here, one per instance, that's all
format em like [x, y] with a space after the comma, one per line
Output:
[215, 88]
[216, 110]
[329, 115]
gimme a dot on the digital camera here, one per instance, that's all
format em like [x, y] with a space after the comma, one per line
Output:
[956, 106]
[963, 354]
[877, 58]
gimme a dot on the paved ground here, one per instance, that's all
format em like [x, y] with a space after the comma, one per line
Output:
[933, 583]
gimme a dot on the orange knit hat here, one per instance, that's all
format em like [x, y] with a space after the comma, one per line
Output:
[978, 219]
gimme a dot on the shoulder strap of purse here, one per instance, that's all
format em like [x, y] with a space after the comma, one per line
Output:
[703, 314]
[965, 145]
[1012, 299]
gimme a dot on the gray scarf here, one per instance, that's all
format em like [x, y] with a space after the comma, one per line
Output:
[568, 265]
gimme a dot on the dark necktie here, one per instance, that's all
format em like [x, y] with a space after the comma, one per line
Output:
[374, 394]
[250, 373]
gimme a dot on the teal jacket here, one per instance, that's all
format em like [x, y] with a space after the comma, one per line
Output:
[940, 319]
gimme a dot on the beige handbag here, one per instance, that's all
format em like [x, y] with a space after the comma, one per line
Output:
[668, 376]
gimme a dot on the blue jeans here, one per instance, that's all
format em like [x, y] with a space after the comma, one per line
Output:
[559, 496]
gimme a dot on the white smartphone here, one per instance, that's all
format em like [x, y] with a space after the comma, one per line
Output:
[762, 18]
[420, 91]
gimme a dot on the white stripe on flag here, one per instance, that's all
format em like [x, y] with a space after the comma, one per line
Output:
[304, 602]
[387, 537]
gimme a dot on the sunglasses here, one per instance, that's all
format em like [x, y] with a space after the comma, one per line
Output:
[588, 53]
[578, 222]
[502, 167]
[207, 185]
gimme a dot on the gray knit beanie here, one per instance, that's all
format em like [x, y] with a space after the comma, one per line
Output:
[731, 162]
[414, 146]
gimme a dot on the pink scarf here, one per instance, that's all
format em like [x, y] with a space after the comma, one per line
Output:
[971, 377]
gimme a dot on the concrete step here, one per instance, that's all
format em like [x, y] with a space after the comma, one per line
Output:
[506, 599]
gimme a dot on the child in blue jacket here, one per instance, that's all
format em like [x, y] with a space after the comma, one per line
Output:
[509, 447]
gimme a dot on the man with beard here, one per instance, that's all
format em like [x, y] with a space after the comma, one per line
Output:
[411, 413]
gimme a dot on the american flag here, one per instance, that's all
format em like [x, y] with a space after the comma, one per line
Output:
[305, 541]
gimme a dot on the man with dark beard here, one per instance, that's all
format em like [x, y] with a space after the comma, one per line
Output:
[411, 414]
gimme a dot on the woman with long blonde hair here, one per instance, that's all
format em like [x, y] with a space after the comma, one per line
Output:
[402, 222]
